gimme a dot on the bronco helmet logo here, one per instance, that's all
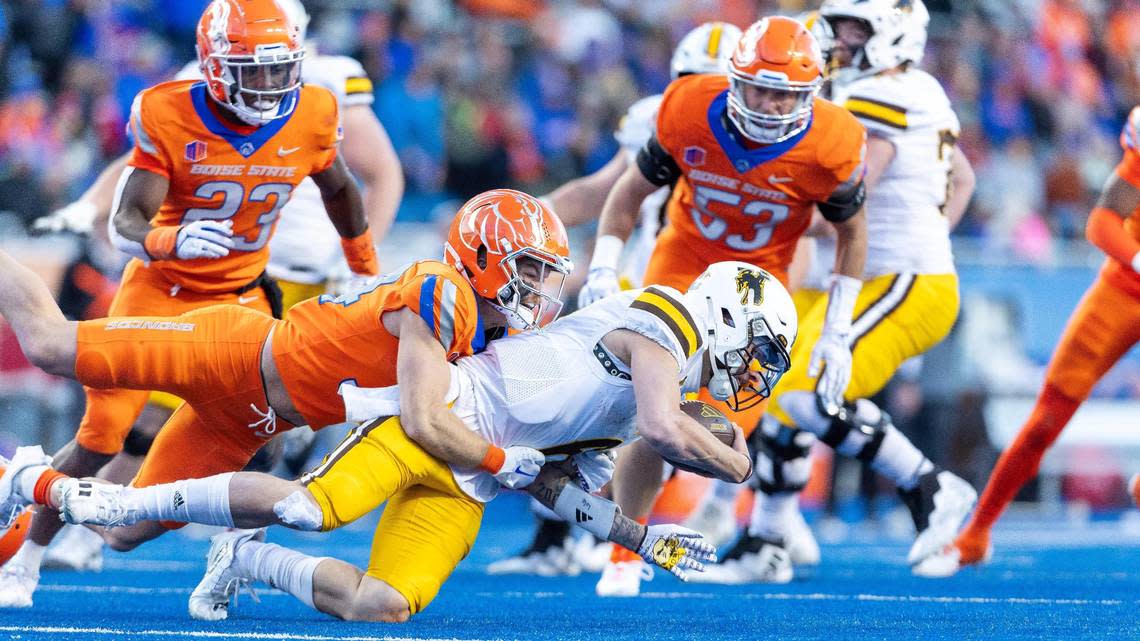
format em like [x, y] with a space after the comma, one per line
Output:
[750, 281]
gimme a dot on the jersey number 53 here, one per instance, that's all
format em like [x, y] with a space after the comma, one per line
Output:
[767, 216]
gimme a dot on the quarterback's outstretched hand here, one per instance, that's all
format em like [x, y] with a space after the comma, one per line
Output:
[600, 282]
[831, 356]
[520, 466]
[676, 549]
[78, 217]
[204, 239]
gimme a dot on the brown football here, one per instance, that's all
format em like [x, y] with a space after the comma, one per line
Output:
[714, 421]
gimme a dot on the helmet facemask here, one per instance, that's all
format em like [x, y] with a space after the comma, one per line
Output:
[768, 128]
[532, 297]
[258, 88]
[745, 376]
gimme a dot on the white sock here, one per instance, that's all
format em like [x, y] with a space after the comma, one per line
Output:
[280, 567]
[725, 491]
[30, 555]
[26, 479]
[205, 501]
[771, 511]
[900, 461]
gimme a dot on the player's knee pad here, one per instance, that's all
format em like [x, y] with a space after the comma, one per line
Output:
[858, 430]
[137, 443]
[299, 511]
[782, 457]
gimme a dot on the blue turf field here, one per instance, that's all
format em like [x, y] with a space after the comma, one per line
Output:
[1047, 582]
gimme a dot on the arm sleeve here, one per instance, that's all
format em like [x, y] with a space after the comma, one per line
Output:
[656, 164]
[448, 307]
[147, 152]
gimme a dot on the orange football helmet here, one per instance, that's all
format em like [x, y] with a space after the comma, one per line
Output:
[12, 537]
[513, 250]
[250, 52]
[779, 54]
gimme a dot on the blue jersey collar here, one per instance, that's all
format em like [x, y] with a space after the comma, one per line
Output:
[245, 145]
[744, 159]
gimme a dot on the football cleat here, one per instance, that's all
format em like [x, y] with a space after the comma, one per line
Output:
[210, 600]
[17, 585]
[551, 553]
[973, 547]
[78, 549]
[592, 554]
[715, 519]
[802, 546]
[623, 578]
[754, 559]
[940, 565]
[938, 505]
[87, 502]
[11, 500]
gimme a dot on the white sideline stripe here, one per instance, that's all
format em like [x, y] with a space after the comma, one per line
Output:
[130, 589]
[819, 596]
[201, 634]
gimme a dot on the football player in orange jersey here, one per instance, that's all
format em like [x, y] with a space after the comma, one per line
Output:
[1103, 327]
[213, 163]
[246, 377]
[753, 155]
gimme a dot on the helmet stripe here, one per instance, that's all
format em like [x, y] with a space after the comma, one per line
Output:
[714, 39]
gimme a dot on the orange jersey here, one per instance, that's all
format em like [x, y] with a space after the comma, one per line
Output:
[329, 340]
[1128, 170]
[217, 172]
[751, 204]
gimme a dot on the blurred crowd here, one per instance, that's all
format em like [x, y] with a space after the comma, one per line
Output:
[481, 93]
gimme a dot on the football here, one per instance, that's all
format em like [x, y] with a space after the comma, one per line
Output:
[713, 420]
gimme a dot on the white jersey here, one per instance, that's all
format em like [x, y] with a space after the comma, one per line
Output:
[305, 247]
[906, 229]
[558, 389]
[637, 126]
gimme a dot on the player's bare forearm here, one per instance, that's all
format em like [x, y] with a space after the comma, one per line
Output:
[962, 182]
[851, 245]
[582, 199]
[552, 482]
[139, 195]
[619, 214]
[47, 338]
[342, 199]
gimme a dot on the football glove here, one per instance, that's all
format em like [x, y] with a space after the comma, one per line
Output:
[676, 549]
[600, 282]
[831, 362]
[78, 217]
[593, 469]
[520, 466]
[204, 239]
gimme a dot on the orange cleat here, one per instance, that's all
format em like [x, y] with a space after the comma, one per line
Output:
[973, 547]
[1134, 489]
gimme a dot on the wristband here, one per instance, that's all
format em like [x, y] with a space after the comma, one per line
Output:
[360, 254]
[161, 242]
[591, 513]
[493, 460]
[607, 252]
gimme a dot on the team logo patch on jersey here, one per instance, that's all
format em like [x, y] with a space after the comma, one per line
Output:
[196, 151]
[694, 156]
[247, 149]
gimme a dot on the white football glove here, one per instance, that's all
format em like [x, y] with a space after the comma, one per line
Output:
[676, 549]
[600, 282]
[520, 466]
[593, 469]
[78, 217]
[204, 239]
[831, 356]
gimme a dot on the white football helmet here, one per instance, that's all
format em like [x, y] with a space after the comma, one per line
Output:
[752, 326]
[898, 32]
[705, 49]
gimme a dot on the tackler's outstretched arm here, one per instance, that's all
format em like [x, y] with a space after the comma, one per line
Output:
[47, 338]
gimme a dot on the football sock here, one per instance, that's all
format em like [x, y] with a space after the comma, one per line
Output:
[30, 555]
[280, 567]
[770, 512]
[205, 501]
[26, 480]
[1021, 459]
[899, 460]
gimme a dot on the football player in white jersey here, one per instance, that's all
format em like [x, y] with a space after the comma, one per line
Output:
[918, 184]
[705, 49]
[305, 252]
[591, 381]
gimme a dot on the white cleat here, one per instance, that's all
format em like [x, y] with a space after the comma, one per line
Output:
[94, 503]
[11, 501]
[940, 565]
[591, 554]
[623, 578]
[715, 519]
[210, 600]
[551, 553]
[939, 505]
[78, 549]
[802, 546]
[17, 585]
[753, 559]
